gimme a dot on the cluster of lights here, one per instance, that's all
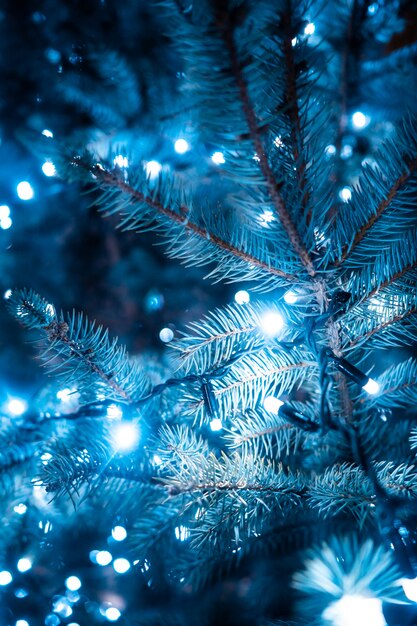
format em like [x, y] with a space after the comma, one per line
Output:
[5, 219]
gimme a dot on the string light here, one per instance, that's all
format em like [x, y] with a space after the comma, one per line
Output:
[4, 211]
[5, 223]
[242, 297]
[73, 583]
[102, 557]
[5, 578]
[119, 533]
[166, 335]
[355, 610]
[216, 424]
[122, 161]
[114, 412]
[272, 404]
[112, 614]
[266, 217]
[22, 622]
[47, 133]
[24, 564]
[290, 297]
[121, 566]
[125, 436]
[371, 387]
[153, 168]
[7, 294]
[181, 146]
[345, 194]
[271, 323]
[368, 384]
[25, 190]
[309, 29]
[48, 168]
[360, 120]
[294, 42]
[17, 406]
[182, 533]
[218, 158]
[410, 588]
[20, 508]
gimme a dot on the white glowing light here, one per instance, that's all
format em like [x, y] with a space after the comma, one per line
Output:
[182, 533]
[17, 406]
[65, 394]
[47, 133]
[410, 588]
[330, 150]
[181, 146]
[121, 161]
[218, 158]
[7, 294]
[309, 29]
[45, 458]
[119, 533]
[5, 578]
[4, 211]
[24, 564]
[290, 297]
[294, 41]
[153, 169]
[73, 583]
[20, 508]
[266, 217]
[371, 387]
[62, 606]
[73, 624]
[112, 614]
[272, 404]
[121, 566]
[22, 622]
[271, 323]
[25, 190]
[125, 435]
[360, 120]
[166, 335]
[345, 194]
[242, 297]
[48, 168]
[346, 152]
[103, 557]
[216, 424]
[5, 223]
[157, 459]
[278, 143]
[114, 412]
[355, 610]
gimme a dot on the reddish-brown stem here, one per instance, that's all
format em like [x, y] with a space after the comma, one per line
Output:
[377, 329]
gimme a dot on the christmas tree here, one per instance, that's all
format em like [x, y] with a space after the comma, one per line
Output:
[261, 469]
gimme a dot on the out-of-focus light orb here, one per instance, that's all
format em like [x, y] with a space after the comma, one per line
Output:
[24, 564]
[119, 533]
[360, 120]
[121, 161]
[16, 406]
[73, 583]
[410, 588]
[52, 620]
[25, 190]
[121, 565]
[20, 508]
[5, 578]
[345, 194]
[103, 557]
[7, 294]
[218, 158]
[47, 133]
[22, 622]
[48, 168]
[112, 614]
[294, 41]
[290, 297]
[73, 624]
[166, 335]
[309, 29]
[62, 606]
[272, 404]
[346, 152]
[125, 436]
[21, 593]
[153, 169]
[373, 8]
[4, 211]
[216, 424]
[371, 387]
[154, 301]
[114, 412]
[330, 150]
[271, 323]
[242, 297]
[355, 610]
[181, 146]
[5, 223]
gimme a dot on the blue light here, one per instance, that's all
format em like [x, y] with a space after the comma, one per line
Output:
[271, 323]
[16, 406]
[360, 120]
[24, 564]
[5, 223]
[119, 533]
[25, 190]
[181, 146]
[5, 578]
[242, 297]
[166, 335]
[112, 614]
[4, 211]
[125, 436]
[218, 158]
[73, 583]
[121, 565]
[48, 168]
[103, 557]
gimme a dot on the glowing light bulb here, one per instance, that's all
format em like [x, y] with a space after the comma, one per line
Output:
[216, 424]
[4, 211]
[294, 41]
[266, 217]
[330, 150]
[121, 566]
[112, 614]
[22, 622]
[355, 610]
[65, 394]
[48, 168]
[290, 297]
[271, 323]
[114, 412]
[272, 404]
[24, 564]
[410, 588]
[7, 294]
[371, 387]
[166, 335]
[47, 133]
[218, 158]
[20, 508]
[309, 29]
[125, 436]
[181, 146]
[103, 557]
[121, 161]
[153, 169]
[345, 194]
[5, 578]
[182, 533]
[278, 143]
[360, 120]
[5, 223]
[25, 190]
[242, 297]
[73, 583]
[119, 533]
[16, 406]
